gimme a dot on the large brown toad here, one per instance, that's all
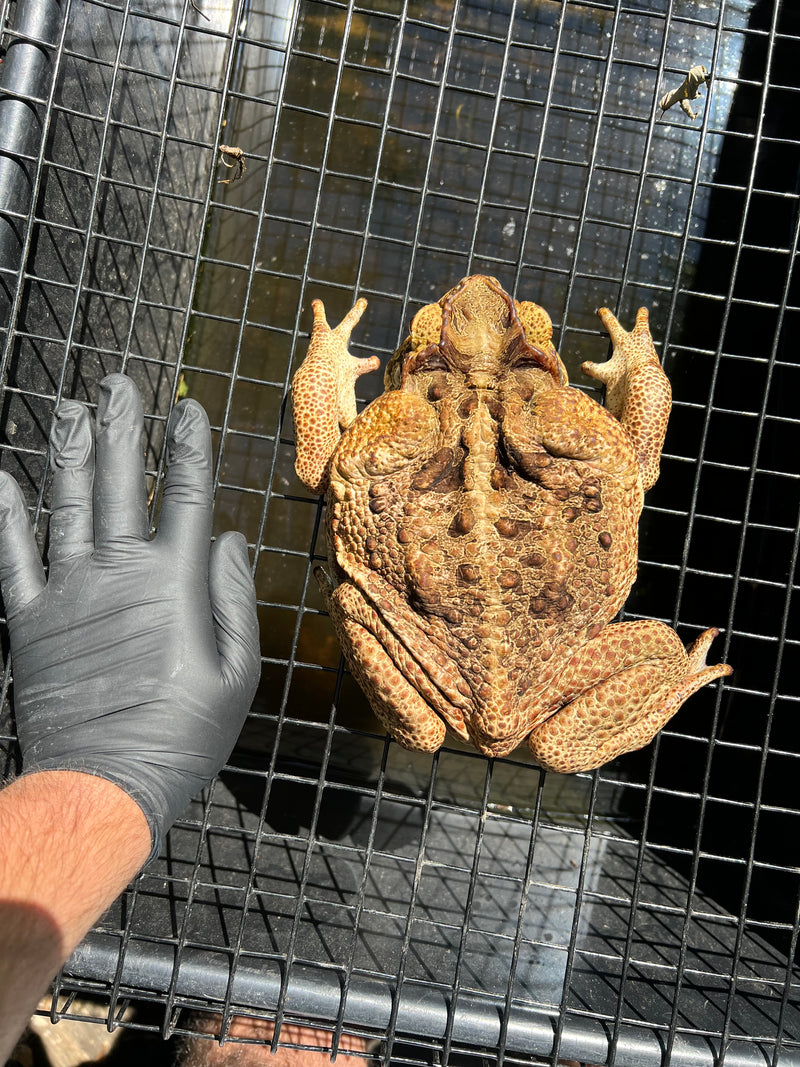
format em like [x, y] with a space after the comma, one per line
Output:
[482, 530]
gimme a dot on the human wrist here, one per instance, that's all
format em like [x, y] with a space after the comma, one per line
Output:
[70, 843]
[77, 838]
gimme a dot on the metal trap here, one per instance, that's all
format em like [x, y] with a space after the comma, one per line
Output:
[177, 182]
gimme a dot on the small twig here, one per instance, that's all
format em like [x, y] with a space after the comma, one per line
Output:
[199, 10]
[238, 157]
[688, 90]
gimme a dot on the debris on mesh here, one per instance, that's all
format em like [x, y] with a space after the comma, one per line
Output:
[199, 10]
[689, 89]
[237, 155]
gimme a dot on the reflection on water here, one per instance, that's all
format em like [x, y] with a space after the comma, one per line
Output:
[388, 156]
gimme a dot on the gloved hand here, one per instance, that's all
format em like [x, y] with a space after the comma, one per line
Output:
[135, 659]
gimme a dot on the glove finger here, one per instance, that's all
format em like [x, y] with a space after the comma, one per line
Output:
[185, 519]
[21, 571]
[120, 501]
[72, 464]
[233, 604]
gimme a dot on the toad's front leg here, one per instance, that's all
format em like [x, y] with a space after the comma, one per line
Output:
[619, 690]
[637, 389]
[323, 394]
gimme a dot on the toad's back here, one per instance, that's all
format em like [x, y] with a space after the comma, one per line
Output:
[472, 489]
[482, 530]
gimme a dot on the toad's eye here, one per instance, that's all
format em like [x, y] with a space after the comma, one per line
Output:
[428, 360]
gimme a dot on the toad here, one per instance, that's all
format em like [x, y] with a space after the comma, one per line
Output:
[482, 529]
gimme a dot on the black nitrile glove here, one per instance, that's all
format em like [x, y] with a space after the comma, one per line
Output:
[136, 659]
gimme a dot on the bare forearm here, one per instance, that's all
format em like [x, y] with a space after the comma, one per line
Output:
[70, 843]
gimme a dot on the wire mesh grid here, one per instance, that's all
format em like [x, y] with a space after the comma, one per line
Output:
[445, 905]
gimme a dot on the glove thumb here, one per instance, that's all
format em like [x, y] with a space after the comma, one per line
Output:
[233, 606]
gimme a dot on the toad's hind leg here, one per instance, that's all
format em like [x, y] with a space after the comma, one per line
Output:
[650, 677]
[382, 666]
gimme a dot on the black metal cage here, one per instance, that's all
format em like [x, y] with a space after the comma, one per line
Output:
[449, 906]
